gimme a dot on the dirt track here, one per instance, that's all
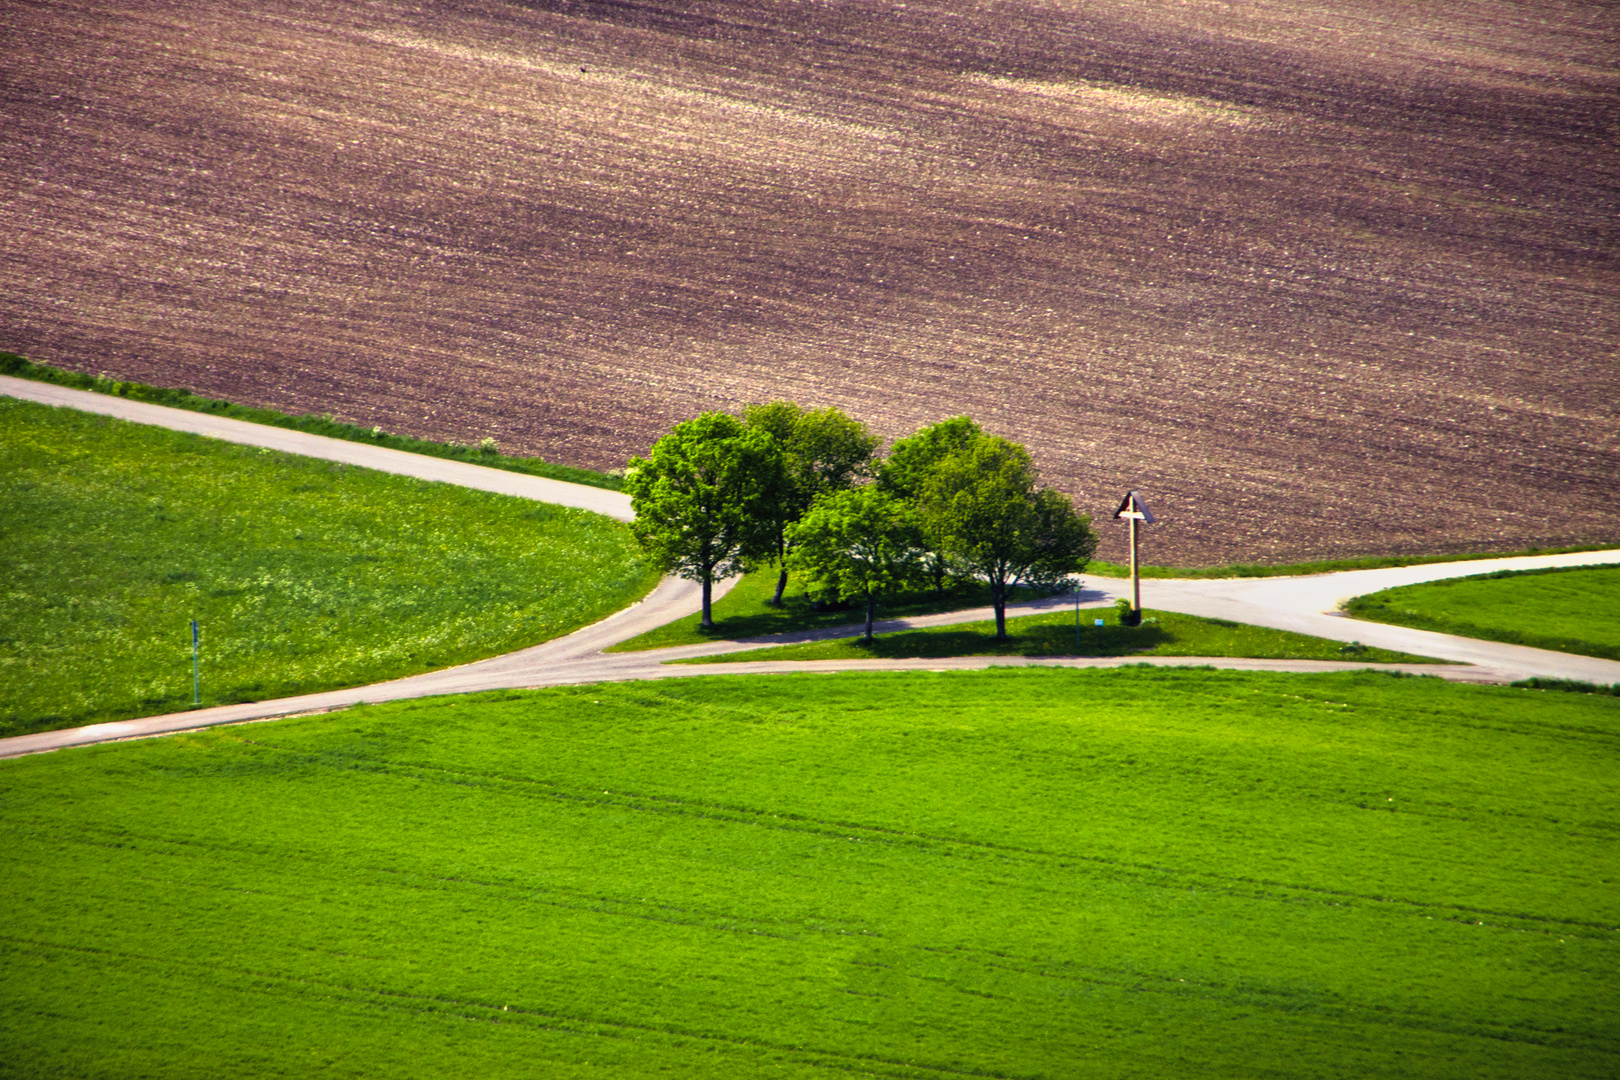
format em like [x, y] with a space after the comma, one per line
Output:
[1298, 604]
[1319, 278]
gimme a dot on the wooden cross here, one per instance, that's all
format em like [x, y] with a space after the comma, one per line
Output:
[1133, 510]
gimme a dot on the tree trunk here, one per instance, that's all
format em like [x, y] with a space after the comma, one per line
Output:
[781, 560]
[998, 597]
[871, 608]
[708, 615]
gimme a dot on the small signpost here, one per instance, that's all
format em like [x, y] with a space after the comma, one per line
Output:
[1134, 510]
[196, 687]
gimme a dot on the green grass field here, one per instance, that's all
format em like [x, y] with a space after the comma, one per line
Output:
[304, 575]
[1575, 610]
[1128, 873]
[1163, 633]
[744, 613]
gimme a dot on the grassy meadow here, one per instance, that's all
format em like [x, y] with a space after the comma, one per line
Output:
[1569, 610]
[305, 575]
[1162, 633]
[1052, 873]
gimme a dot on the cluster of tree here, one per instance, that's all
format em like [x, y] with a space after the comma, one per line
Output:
[804, 490]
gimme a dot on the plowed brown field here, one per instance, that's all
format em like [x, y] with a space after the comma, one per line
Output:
[1318, 277]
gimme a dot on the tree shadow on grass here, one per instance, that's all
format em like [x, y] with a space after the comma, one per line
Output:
[799, 612]
[1163, 634]
[1048, 640]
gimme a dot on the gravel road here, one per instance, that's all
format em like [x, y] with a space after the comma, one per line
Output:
[421, 466]
[1301, 604]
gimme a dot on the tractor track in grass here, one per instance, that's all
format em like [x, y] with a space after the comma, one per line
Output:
[1306, 604]
[881, 837]
[343, 994]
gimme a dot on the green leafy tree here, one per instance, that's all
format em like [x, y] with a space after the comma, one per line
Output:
[701, 497]
[823, 451]
[862, 543]
[985, 512]
[911, 461]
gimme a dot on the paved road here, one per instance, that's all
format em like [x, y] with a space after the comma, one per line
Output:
[552, 663]
[1309, 605]
[1302, 604]
[421, 466]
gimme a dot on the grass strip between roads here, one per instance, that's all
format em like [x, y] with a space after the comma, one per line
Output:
[1566, 609]
[1098, 568]
[1131, 873]
[744, 612]
[1163, 633]
[23, 368]
[305, 575]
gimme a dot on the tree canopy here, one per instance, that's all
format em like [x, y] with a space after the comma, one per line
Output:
[703, 498]
[719, 493]
[982, 508]
[912, 460]
[861, 543]
[823, 450]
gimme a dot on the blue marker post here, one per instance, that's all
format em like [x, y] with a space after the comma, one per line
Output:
[196, 687]
[1099, 625]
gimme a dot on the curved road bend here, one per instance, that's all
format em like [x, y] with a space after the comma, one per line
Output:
[1302, 604]
[1305, 605]
[1309, 605]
